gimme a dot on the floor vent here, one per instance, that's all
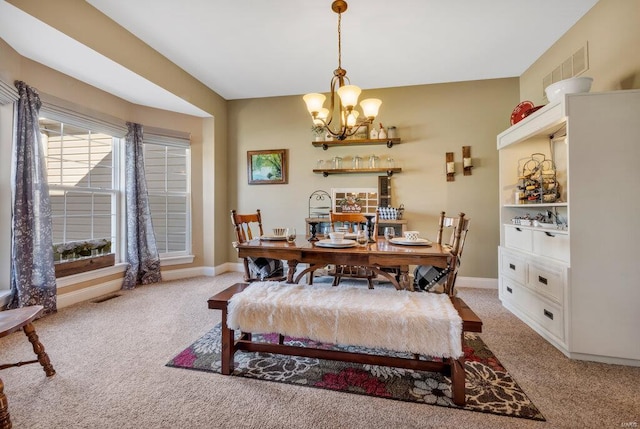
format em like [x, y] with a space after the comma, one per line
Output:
[105, 298]
[575, 65]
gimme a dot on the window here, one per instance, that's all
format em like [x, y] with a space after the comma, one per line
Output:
[167, 174]
[82, 175]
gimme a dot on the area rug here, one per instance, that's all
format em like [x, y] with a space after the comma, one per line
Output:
[489, 387]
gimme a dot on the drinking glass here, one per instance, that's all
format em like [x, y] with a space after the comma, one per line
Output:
[389, 232]
[361, 237]
[291, 235]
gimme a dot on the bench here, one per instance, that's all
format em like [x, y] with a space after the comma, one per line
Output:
[452, 367]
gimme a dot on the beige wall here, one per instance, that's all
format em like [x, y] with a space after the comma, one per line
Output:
[612, 31]
[431, 120]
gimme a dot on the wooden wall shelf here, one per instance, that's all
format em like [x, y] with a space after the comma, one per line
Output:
[388, 171]
[360, 142]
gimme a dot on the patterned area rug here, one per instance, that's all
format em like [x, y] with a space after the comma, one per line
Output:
[489, 387]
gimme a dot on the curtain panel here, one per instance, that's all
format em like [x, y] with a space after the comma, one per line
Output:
[33, 279]
[142, 252]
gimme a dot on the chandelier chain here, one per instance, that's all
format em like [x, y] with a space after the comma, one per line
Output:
[339, 41]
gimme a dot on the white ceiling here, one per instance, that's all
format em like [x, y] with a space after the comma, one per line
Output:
[257, 48]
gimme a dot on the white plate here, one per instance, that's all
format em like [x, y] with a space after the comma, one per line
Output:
[341, 243]
[272, 237]
[418, 242]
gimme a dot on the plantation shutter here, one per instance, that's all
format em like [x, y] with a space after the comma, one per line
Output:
[167, 167]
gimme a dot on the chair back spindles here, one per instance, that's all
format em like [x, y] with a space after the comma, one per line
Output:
[245, 225]
[459, 235]
[242, 225]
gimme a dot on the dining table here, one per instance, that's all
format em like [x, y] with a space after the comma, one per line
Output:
[375, 255]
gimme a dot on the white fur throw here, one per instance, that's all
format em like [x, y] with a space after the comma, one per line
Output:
[404, 321]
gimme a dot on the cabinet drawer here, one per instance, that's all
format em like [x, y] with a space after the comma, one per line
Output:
[513, 266]
[547, 279]
[510, 292]
[518, 238]
[549, 316]
[551, 244]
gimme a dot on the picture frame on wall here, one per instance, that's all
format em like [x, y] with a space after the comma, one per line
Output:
[267, 167]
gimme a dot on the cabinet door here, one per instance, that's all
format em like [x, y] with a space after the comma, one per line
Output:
[551, 244]
[518, 238]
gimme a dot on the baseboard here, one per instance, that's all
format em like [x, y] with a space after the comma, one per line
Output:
[605, 359]
[477, 282]
[183, 273]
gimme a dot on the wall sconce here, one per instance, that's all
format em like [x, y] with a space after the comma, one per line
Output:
[466, 160]
[450, 167]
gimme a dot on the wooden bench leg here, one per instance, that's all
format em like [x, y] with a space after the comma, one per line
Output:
[5, 420]
[38, 349]
[227, 352]
[457, 381]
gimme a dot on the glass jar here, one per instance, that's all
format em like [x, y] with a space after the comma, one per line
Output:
[356, 162]
[391, 163]
[337, 162]
[392, 132]
[374, 161]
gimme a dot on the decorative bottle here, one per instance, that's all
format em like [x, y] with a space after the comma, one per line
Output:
[382, 134]
[373, 135]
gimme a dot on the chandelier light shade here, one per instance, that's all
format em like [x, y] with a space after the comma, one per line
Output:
[347, 97]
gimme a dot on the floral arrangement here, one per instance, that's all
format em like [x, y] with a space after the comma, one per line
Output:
[77, 249]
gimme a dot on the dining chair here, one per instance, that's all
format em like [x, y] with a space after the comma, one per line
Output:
[354, 221]
[442, 280]
[248, 227]
[12, 321]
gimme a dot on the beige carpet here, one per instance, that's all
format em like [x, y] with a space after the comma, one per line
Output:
[110, 358]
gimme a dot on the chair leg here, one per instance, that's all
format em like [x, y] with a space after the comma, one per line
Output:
[5, 420]
[336, 278]
[38, 349]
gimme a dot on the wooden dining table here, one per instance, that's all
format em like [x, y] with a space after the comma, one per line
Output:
[375, 255]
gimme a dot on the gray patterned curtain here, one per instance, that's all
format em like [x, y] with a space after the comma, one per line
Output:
[142, 252]
[33, 278]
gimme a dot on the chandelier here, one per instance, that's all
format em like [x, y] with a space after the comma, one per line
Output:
[347, 98]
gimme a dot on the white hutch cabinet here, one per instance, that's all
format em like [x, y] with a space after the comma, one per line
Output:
[577, 286]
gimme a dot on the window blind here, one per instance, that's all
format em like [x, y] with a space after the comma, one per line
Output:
[63, 111]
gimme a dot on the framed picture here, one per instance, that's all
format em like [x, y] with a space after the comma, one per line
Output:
[266, 167]
[354, 200]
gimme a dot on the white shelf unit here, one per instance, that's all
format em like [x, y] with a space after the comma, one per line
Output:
[577, 286]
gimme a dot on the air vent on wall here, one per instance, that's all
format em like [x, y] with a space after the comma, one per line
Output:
[575, 65]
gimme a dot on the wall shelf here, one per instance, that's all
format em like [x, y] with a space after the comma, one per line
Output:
[388, 171]
[356, 142]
